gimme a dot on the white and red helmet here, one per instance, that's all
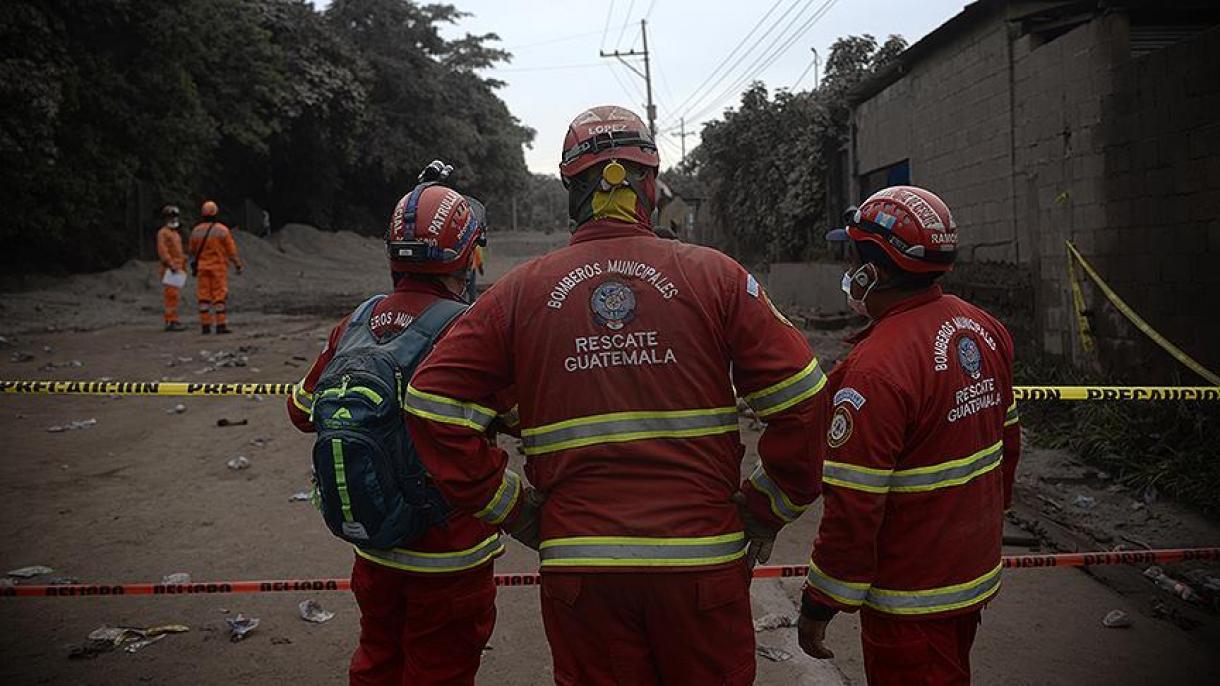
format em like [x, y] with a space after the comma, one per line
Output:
[913, 226]
[434, 230]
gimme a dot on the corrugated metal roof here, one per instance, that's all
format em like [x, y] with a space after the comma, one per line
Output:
[1149, 39]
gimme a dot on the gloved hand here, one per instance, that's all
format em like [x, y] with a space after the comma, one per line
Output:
[526, 527]
[760, 536]
[811, 634]
[435, 171]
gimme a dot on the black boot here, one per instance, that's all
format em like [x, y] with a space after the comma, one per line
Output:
[207, 328]
[222, 328]
[175, 326]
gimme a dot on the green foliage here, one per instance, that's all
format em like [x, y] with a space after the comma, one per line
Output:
[764, 165]
[112, 108]
[542, 205]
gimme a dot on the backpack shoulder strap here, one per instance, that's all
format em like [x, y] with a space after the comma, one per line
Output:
[358, 333]
[432, 321]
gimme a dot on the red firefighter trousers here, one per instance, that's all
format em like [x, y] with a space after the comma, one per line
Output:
[421, 630]
[642, 629]
[934, 652]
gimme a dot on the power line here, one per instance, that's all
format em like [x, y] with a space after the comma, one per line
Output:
[729, 56]
[559, 39]
[781, 46]
[555, 67]
[771, 29]
[812, 65]
[630, 6]
[606, 28]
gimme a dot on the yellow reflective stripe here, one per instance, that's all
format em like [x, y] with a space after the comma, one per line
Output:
[619, 427]
[915, 480]
[847, 592]
[851, 476]
[795, 389]
[781, 505]
[447, 410]
[504, 499]
[434, 563]
[1012, 417]
[942, 599]
[633, 551]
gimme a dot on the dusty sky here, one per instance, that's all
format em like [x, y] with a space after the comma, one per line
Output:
[556, 72]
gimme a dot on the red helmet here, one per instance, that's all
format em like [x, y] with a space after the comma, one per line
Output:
[604, 133]
[913, 226]
[434, 230]
[209, 209]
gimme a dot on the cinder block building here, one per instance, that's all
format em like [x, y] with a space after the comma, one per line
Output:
[1044, 122]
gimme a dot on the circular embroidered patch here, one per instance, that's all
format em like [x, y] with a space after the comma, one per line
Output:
[840, 427]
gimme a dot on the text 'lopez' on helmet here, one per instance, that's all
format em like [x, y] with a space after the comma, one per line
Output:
[603, 133]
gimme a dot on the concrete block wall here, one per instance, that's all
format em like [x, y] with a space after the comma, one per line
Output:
[951, 117]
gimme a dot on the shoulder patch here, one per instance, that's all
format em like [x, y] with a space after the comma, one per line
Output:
[849, 395]
[840, 427]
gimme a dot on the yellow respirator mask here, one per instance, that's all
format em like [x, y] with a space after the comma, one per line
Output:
[614, 199]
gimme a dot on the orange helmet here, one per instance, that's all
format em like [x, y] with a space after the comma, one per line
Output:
[209, 209]
[913, 226]
[434, 230]
[603, 133]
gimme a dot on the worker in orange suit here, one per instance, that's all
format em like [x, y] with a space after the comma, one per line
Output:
[212, 251]
[169, 251]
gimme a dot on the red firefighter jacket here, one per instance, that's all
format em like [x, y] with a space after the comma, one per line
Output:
[624, 350]
[464, 542]
[923, 445]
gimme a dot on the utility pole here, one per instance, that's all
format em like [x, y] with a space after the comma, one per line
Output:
[646, 74]
[683, 134]
[816, 59]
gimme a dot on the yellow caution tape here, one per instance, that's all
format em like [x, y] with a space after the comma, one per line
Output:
[1139, 321]
[180, 388]
[1086, 331]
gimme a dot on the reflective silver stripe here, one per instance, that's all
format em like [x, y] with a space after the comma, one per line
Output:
[937, 599]
[947, 474]
[800, 386]
[502, 502]
[858, 478]
[448, 411]
[414, 561]
[628, 426]
[919, 479]
[781, 504]
[624, 551]
[846, 592]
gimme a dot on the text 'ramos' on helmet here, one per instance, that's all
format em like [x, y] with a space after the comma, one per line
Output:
[209, 209]
[604, 133]
[912, 225]
[434, 230]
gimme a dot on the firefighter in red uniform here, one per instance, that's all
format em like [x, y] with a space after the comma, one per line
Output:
[425, 612]
[624, 349]
[923, 445]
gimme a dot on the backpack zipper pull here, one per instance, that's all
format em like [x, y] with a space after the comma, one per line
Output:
[343, 389]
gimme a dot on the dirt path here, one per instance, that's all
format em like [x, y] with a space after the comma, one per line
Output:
[145, 493]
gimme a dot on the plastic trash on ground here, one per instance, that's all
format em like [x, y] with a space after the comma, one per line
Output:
[73, 426]
[107, 638]
[774, 654]
[176, 409]
[238, 463]
[176, 578]
[241, 626]
[311, 611]
[300, 496]
[30, 572]
[773, 621]
[1116, 619]
[1085, 502]
[1170, 585]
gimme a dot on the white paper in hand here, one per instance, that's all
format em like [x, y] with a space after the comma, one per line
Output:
[174, 278]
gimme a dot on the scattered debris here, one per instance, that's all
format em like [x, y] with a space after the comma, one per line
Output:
[238, 463]
[63, 581]
[311, 611]
[107, 638]
[1050, 502]
[20, 356]
[3, 340]
[176, 409]
[774, 654]
[300, 358]
[1084, 502]
[1150, 494]
[231, 422]
[1116, 619]
[6, 584]
[1170, 585]
[72, 426]
[30, 572]
[773, 621]
[300, 496]
[59, 365]
[260, 442]
[241, 626]
[280, 641]
[1162, 611]
[1022, 540]
[48, 349]
[176, 578]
